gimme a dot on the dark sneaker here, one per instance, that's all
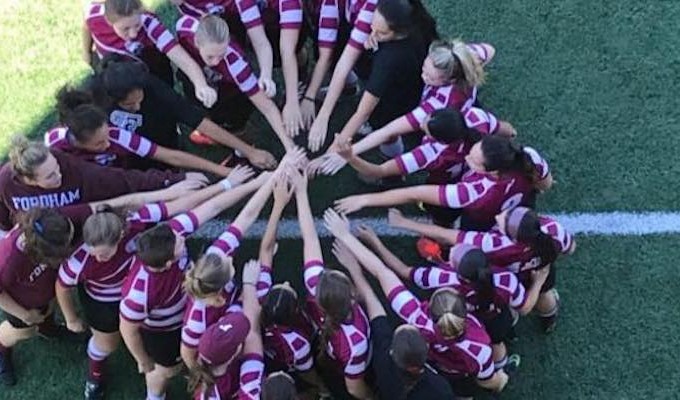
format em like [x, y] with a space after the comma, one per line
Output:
[7, 376]
[94, 390]
[512, 366]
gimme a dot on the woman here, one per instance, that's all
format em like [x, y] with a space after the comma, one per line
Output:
[449, 135]
[139, 102]
[209, 42]
[490, 292]
[153, 304]
[99, 266]
[452, 71]
[32, 252]
[344, 326]
[86, 134]
[124, 27]
[502, 175]
[459, 345]
[210, 285]
[521, 242]
[400, 34]
[244, 18]
[36, 176]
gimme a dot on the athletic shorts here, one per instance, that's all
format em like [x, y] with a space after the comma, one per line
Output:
[163, 346]
[498, 326]
[101, 316]
[463, 386]
[18, 323]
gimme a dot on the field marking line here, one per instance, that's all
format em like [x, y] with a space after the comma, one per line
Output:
[591, 224]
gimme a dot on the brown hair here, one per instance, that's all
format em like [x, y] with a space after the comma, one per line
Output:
[200, 376]
[115, 9]
[335, 296]
[279, 386]
[48, 236]
[211, 29]
[105, 227]
[25, 156]
[458, 63]
[156, 246]
[448, 310]
[208, 276]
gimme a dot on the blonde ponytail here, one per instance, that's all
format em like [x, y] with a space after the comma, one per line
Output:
[25, 156]
[210, 274]
[457, 62]
[211, 29]
[448, 310]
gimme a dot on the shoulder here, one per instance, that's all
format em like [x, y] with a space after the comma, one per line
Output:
[94, 10]
[186, 24]
[56, 137]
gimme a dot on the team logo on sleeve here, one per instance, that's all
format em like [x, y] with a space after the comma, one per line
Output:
[126, 120]
[134, 47]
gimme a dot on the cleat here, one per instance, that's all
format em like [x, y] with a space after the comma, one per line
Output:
[429, 250]
[512, 366]
[93, 390]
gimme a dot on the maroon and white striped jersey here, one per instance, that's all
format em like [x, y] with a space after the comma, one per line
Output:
[157, 299]
[501, 250]
[328, 14]
[231, 73]
[467, 355]
[482, 195]
[288, 13]
[242, 381]
[446, 162]
[508, 291]
[152, 34]
[247, 10]
[103, 281]
[349, 346]
[359, 13]
[123, 144]
[438, 97]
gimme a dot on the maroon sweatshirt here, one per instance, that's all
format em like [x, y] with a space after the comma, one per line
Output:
[82, 182]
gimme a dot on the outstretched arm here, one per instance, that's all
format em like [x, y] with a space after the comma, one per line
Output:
[442, 235]
[426, 193]
[282, 195]
[368, 236]
[189, 161]
[311, 244]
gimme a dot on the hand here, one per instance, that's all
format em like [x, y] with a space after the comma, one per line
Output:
[239, 175]
[332, 163]
[184, 187]
[296, 158]
[350, 204]
[33, 317]
[317, 133]
[206, 95]
[395, 218]
[346, 257]
[251, 272]
[344, 147]
[307, 111]
[371, 43]
[267, 85]
[282, 194]
[261, 159]
[337, 224]
[292, 119]
[506, 129]
[538, 276]
[298, 180]
[145, 365]
[76, 326]
[198, 177]
[367, 235]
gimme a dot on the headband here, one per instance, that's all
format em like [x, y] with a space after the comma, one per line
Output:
[514, 219]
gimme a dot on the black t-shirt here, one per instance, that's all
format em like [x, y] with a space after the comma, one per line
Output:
[395, 78]
[161, 111]
[431, 386]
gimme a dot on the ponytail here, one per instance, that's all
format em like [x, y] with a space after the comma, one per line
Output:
[503, 155]
[210, 274]
[474, 267]
[25, 156]
[200, 376]
[77, 112]
[427, 25]
[211, 29]
[447, 125]
[457, 62]
[48, 236]
[334, 296]
[529, 232]
[449, 312]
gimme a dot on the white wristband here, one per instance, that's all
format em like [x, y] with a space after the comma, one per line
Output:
[226, 184]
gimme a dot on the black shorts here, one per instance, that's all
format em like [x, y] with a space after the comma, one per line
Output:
[18, 323]
[498, 326]
[163, 347]
[443, 216]
[232, 109]
[463, 386]
[101, 316]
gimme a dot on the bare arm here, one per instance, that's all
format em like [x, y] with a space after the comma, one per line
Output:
[428, 194]
[272, 114]
[189, 161]
[189, 355]
[369, 237]
[263, 51]
[183, 60]
[308, 104]
[132, 337]
[537, 280]
[388, 168]
[267, 246]
[68, 308]
[291, 110]
[438, 233]
[310, 239]
[398, 127]
[136, 200]
[358, 388]
[367, 104]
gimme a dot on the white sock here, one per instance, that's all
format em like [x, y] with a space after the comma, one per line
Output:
[392, 149]
[498, 365]
[151, 396]
[95, 353]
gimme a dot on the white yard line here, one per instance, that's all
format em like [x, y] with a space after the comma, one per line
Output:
[607, 223]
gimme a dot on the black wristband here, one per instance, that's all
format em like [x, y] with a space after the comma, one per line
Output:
[308, 99]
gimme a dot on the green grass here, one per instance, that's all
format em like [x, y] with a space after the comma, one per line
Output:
[590, 84]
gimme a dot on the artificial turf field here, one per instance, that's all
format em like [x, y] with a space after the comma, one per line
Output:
[590, 84]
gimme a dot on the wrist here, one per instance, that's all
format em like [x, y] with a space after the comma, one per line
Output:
[226, 184]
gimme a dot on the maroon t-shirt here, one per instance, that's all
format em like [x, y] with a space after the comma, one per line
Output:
[82, 182]
[31, 285]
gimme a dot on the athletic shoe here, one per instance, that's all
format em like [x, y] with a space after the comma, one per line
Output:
[549, 324]
[200, 139]
[93, 390]
[429, 250]
[512, 366]
[7, 376]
